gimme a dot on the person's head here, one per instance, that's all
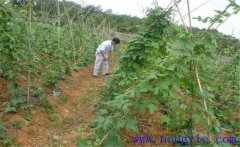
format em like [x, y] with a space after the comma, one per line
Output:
[115, 41]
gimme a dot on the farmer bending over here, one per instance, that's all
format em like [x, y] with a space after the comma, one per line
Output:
[102, 55]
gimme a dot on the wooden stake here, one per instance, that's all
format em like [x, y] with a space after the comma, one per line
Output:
[29, 48]
[180, 14]
[70, 23]
[58, 14]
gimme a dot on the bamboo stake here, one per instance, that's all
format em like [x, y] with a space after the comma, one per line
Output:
[204, 99]
[101, 142]
[29, 48]
[197, 76]
[58, 29]
[189, 17]
[168, 6]
[179, 12]
[73, 46]
[191, 67]
[72, 38]
[193, 63]
[41, 8]
[185, 15]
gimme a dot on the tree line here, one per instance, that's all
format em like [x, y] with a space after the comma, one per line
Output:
[47, 9]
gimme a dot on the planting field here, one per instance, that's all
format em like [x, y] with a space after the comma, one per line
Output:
[170, 84]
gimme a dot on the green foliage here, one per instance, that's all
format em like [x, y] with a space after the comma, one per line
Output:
[226, 45]
[5, 140]
[2, 130]
[17, 99]
[27, 116]
[26, 107]
[122, 93]
[221, 15]
[44, 51]
[83, 142]
[8, 141]
[53, 116]
[17, 124]
[158, 72]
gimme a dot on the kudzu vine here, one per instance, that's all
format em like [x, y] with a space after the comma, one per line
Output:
[44, 50]
[156, 72]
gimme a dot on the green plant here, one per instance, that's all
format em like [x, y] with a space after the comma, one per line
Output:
[132, 78]
[41, 122]
[14, 103]
[27, 116]
[2, 130]
[83, 142]
[26, 107]
[84, 99]
[53, 116]
[80, 130]
[32, 50]
[57, 125]
[17, 124]
[8, 141]
[160, 72]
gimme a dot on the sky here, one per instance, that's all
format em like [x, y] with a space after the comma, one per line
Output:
[139, 7]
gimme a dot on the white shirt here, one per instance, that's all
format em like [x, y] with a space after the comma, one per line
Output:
[105, 46]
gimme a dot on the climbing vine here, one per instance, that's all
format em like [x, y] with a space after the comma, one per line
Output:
[168, 69]
[35, 56]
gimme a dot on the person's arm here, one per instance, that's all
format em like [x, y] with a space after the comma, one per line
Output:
[103, 54]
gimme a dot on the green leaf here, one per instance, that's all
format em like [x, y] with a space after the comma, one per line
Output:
[217, 127]
[208, 94]
[27, 116]
[2, 130]
[132, 124]
[125, 108]
[152, 108]
[83, 143]
[120, 123]
[107, 123]
[139, 107]
[10, 110]
[16, 101]
[165, 119]
[199, 118]
[114, 140]
[199, 18]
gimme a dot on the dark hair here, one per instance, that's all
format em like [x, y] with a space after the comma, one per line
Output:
[116, 40]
